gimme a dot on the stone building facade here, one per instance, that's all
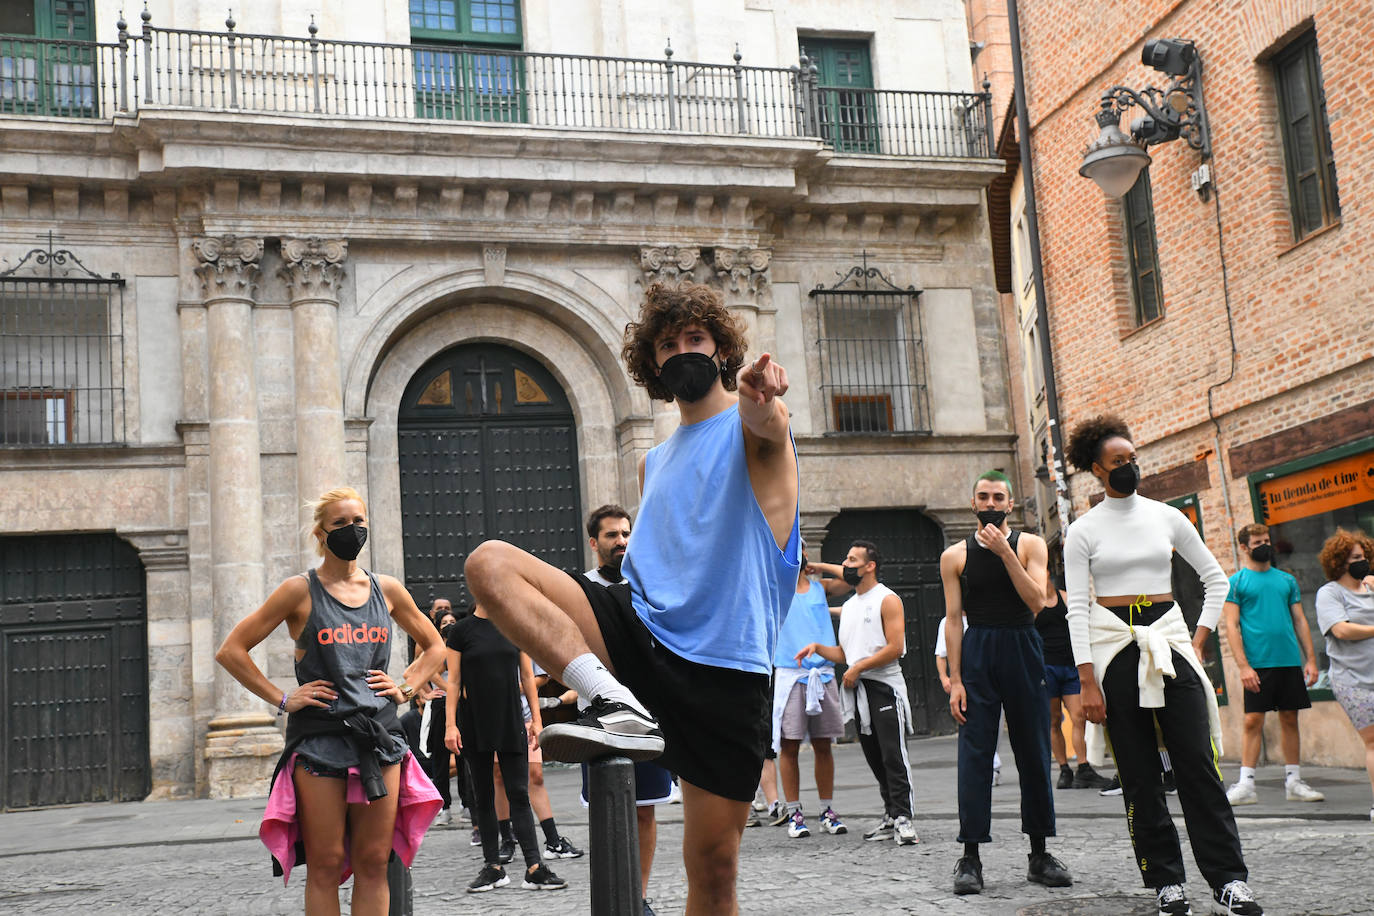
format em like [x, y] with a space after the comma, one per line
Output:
[1223, 313]
[299, 270]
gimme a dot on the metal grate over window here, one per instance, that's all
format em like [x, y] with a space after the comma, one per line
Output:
[873, 374]
[61, 352]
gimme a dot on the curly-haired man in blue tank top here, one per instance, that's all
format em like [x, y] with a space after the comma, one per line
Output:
[671, 662]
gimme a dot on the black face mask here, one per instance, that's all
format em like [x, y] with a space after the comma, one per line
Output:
[994, 517]
[852, 576]
[1125, 479]
[347, 542]
[611, 571]
[1264, 553]
[689, 376]
[1359, 569]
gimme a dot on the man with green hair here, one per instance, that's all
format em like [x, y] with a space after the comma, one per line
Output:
[997, 577]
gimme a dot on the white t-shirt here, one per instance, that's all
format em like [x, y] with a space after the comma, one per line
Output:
[861, 631]
[940, 651]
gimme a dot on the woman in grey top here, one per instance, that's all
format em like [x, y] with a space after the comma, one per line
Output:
[1345, 614]
[343, 710]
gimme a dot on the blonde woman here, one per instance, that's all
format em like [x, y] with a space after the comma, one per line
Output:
[347, 775]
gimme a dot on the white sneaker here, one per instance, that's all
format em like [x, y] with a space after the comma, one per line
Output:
[675, 798]
[905, 831]
[1242, 793]
[1297, 790]
[758, 804]
[996, 776]
[445, 818]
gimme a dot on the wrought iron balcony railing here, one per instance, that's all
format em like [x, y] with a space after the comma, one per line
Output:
[233, 72]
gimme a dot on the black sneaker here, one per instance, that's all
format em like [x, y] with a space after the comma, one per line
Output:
[603, 728]
[1088, 778]
[476, 837]
[1172, 900]
[1065, 777]
[562, 849]
[1047, 870]
[489, 879]
[541, 879]
[507, 851]
[1113, 787]
[1170, 783]
[1235, 899]
[968, 875]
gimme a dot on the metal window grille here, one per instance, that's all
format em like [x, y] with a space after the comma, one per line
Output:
[61, 353]
[873, 373]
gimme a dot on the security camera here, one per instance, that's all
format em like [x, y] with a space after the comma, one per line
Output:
[1173, 56]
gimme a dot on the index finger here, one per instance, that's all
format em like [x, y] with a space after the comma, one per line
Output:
[760, 364]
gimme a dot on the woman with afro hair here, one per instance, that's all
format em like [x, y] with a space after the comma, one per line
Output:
[1139, 670]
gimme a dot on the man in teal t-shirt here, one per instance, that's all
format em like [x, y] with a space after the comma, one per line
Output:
[1272, 647]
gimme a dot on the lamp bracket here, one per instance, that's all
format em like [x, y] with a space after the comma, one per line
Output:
[1159, 104]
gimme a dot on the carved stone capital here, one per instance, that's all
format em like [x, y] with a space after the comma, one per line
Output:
[743, 270]
[313, 267]
[668, 264]
[228, 265]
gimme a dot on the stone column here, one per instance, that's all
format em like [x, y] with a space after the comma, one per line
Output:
[243, 741]
[313, 271]
[743, 276]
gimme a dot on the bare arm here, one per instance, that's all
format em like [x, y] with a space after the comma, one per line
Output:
[951, 567]
[452, 739]
[429, 656]
[768, 447]
[832, 654]
[289, 601]
[1352, 632]
[835, 585]
[531, 693]
[1249, 679]
[1026, 566]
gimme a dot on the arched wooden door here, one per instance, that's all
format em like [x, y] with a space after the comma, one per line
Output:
[488, 449]
[909, 544]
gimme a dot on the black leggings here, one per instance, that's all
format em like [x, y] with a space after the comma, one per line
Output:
[515, 773]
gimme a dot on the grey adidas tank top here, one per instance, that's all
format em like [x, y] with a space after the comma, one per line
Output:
[340, 643]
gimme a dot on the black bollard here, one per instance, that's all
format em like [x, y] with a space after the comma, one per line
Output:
[616, 890]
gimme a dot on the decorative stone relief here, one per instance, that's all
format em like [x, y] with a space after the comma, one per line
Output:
[743, 270]
[313, 267]
[494, 265]
[229, 265]
[668, 264]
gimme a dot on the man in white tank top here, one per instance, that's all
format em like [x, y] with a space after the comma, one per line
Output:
[872, 642]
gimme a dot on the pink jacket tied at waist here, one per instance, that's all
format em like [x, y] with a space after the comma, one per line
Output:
[419, 804]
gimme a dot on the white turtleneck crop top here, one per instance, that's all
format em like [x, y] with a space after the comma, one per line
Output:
[1126, 546]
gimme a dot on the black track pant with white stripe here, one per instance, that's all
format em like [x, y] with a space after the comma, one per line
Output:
[885, 749]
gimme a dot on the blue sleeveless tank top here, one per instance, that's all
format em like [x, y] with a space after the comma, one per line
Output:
[706, 576]
[340, 644]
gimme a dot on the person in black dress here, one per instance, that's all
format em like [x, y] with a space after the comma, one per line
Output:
[486, 673]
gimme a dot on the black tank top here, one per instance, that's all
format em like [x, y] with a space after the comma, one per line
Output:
[1053, 624]
[990, 598]
[340, 644]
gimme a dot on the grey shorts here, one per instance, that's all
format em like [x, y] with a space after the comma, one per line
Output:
[1358, 703]
[796, 724]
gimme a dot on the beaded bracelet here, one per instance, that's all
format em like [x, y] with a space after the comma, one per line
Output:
[281, 707]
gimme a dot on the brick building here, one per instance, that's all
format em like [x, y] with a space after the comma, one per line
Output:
[1231, 326]
[397, 246]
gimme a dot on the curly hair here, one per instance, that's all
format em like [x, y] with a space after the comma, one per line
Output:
[1336, 551]
[1085, 442]
[665, 312]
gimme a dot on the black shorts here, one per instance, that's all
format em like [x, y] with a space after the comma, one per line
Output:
[715, 721]
[1280, 688]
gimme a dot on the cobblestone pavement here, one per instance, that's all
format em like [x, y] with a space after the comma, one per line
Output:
[203, 856]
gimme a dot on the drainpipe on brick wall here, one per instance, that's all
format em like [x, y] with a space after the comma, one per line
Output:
[1042, 318]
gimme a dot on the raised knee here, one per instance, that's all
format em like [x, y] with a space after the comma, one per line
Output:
[486, 560]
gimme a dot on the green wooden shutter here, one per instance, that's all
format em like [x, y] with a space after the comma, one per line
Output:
[848, 104]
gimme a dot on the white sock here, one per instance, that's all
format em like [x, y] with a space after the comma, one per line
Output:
[590, 679]
[793, 806]
[1291, 772]
[1247, 774]
[825, 804]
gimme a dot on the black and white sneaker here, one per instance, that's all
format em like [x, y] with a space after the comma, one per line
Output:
[489, 879]
[541, 879]
[562, 849]
[605, 727]
[1234, 898]
[507, 851]
[1172, 900]
[885, 829]
[1113, 788]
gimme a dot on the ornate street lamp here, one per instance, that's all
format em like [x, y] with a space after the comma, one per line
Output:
[1114, 160]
